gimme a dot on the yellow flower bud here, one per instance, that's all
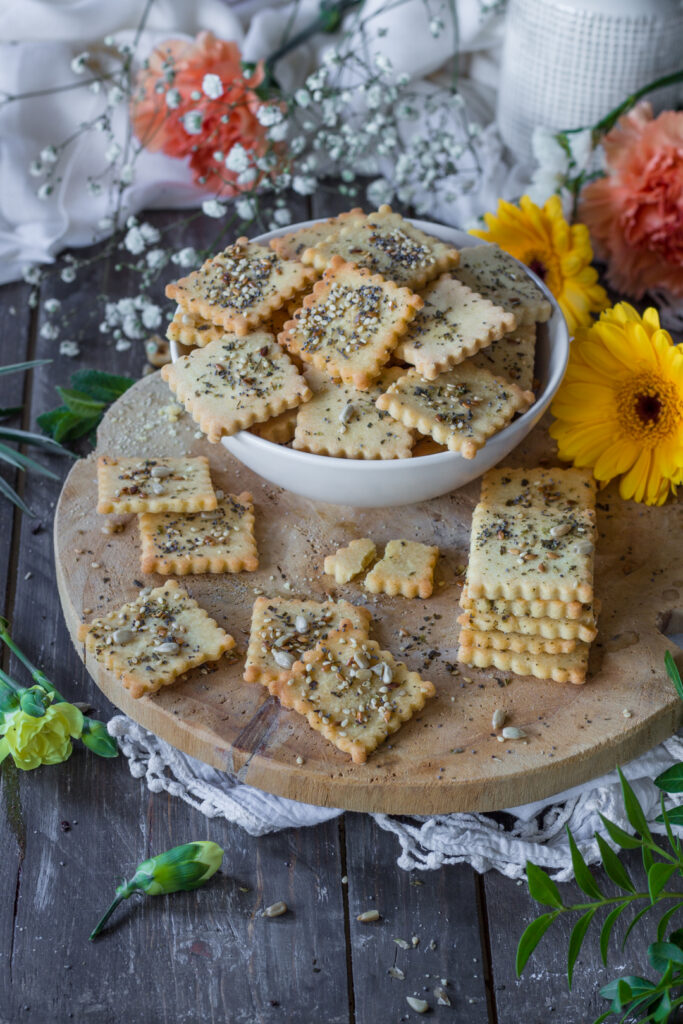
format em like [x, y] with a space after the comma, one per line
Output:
[32, 741]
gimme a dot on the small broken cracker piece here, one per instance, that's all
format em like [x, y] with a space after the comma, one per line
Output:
[461, 408]
[344, 422]
[279, 429]
[151, 641]
[218, 541]
[350, 323]
[353, 692]
[407, 568]
[453, 324]
[241, 287]
[496, 275]
[387, 244]
[235, 382]
[544, 626]
[347, 562]
[283, 628]
[562, 668]
[517, 642]
[192, 330]
[512, 356]
[154, 485]
[292, 245]
[534, 608]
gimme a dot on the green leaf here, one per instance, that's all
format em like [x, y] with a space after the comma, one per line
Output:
[657, 877]
[27, 437]
[542, 888]
[648, 859]
[32, 702]
[677, 936]
[624, 993]
[634, 812]
[104, 387]
[630, 986]
[663, 1008]
[634, 922]
[674, 814]
[671, 781]
[18, 367]
[9, 492]
[10, 410]
[613, 866]
[576, 939]
[79, 403]
[673, 673]
[582, 872]
[530, 938]
[607, 927]
[63, 425]
[619, 836]
[21, 461]
[661, 954]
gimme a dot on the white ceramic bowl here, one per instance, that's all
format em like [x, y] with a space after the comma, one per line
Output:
[377, 483]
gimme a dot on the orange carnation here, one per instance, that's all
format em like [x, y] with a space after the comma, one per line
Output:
[177, 109]
[635, 213]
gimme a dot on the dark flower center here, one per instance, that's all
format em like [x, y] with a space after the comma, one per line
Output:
[539, 269]
[648, 408]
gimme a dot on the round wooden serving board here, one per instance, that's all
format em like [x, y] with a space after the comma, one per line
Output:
[446, 759]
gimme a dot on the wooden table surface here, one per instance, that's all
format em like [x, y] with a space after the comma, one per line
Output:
[69, 833]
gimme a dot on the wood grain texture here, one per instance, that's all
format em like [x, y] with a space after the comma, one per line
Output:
[575, 733]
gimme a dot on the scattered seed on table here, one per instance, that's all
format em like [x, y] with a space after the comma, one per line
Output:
[367, 916]
[276, 909]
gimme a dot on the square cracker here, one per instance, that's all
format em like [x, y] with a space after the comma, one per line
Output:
[406, 568]
[154, 485]
[460, 408]
[525, 625]
[234, 382]
[347, 562]
[517, 642]
[497, 276]
[344, 422]
[218, 541]
[562, 668]
[512, 356]
[241, 286]
[453, 324]
[276, 627]
[353, 693]
[350, 323]
[192, 330]
[571, 611]
[386, 244]
[292, 245]
[151, 641]
[533, 535]
[279, 429]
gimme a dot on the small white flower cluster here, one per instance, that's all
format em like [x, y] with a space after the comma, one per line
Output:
[562, 161]
[130, 319]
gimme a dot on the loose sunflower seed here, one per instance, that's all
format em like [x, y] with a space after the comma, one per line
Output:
[367, 916]
[402, 944]
[419, 1005]
[511, 732]
[276, 909]
[397, 973]
[442, 997]
[498, 719]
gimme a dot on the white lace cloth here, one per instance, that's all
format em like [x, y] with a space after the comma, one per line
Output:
[534, 832]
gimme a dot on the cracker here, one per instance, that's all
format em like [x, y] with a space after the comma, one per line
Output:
[525, 625]
[517, 642]
[151, 641]
[154, 485]
[406, 568]
[344, 422]
[537, 609]
[533, 535]
[192, 330]
[241, 286]
[453, 324]
[234, 382]
[274, 628]
[292, 245]
[512, 356]
[353, 692]
[347, 562]
[497, 276]
[279, 429]
[350, 323]
[428, 446]
[562, 668]
[460, 408]
[387, 244]
[218, 541]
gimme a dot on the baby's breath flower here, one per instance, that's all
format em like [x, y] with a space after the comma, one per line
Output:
[36, 168]
[122, 345]
[186, 257]
[282, 217]
[49, 155]
[134, 241]
[245, 178]
[69, 348]
[68, 275]
[49, 332]
[150, 233]
[112, 152]
[126, 174]
[80, 63]
[52, 305]
[105, 223]
[173, 99]
[212, 208]
[212, 86]
[31, 274]
[268, 115]
[151, 316]
[304, 184]
[379, 192]
[237, 159]
[156, 258]
[278, 132]
[192, 122]
[45, 191]
[245, 208]
[302, 97]
[94, 188]
[382, 62]
[436, 26]
[115, 95]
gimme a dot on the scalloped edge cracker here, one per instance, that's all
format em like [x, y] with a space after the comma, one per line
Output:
[353, 693]
[192, 330]
[525, 625]
[292, 245]
[517, 642]
[534, 608]
[175, 618]
[163, 484]
[218, 541]
[493, 273]
[406, 568]
[349, 561]
[561, 668]
[512, 356]
[278, 429]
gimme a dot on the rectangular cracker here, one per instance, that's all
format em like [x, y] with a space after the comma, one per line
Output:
[461, 408]
[516, 642]
[344, 422]
[549, 629]
[274, 627]
[512, 356]
[407, 568]
[240, 287]
[497, 276]
[292, 245]
[353, 693]
[218, 541]
[348, 562]
[151, 641]
[350, 323]
[154, 485]
[230, 384]
[453, 324]
[191, 329]
[538, 609]
[279, 429]
[533, 535]
[387, 244]
[562, 668]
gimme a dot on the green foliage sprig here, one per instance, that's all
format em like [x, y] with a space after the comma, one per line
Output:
[630, 996]
[84, 404]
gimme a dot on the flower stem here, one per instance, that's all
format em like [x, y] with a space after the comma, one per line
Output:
[105, 917]
[328, 20]
[38, 676]
[610, 119]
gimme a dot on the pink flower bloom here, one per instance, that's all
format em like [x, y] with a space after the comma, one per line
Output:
[635, 213]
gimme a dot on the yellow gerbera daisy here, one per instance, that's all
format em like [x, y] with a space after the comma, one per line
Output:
[619, 408]
[558, 252]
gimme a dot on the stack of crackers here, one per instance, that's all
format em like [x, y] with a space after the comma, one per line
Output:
[402, 338]
[528, 603]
